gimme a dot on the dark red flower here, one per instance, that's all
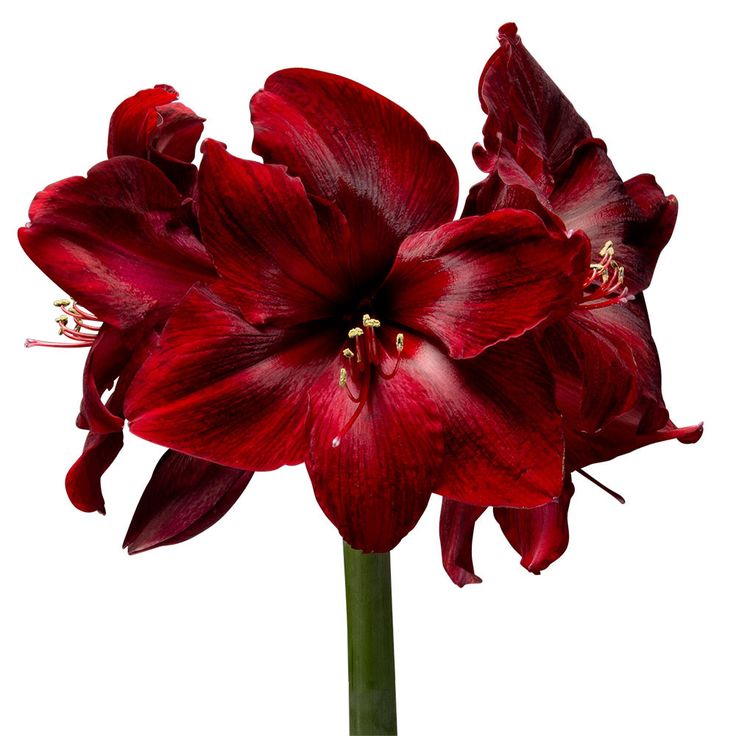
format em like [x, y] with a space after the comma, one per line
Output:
[122, 242]
[540, 155]
[349, 326]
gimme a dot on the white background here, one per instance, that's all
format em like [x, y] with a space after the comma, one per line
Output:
[242, 629]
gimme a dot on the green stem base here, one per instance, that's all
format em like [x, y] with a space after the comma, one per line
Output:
[371, 670]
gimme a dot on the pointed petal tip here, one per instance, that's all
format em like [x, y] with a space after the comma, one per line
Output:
[690, 435]
[509, 32]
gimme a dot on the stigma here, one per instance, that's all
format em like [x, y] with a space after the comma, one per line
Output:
[605, 283]
[363, 358]
[79, 326]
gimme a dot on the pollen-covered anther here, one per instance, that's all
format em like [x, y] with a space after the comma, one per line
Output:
[605, 283]
[81, 334]
[400, 342]
[343, 379]
[368, 321]
[355, 332]
[348, 353]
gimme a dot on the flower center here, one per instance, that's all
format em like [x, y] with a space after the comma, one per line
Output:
[605, 284]
[362, 360]
[81, 334]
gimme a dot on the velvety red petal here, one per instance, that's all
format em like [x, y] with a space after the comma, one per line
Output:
[539, 535]
[481, 280]
[222, 390]
[184, 497]
[503, 432]
[360, 150]
[267, 241]
[117, 241]
[457, 523]
[526, 110]
[376, 483]
[83, 479]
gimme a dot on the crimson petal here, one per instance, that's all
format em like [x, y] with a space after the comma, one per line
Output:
[350, 145]
[83, 479]
[184, 497]
[116, 241]
[267, 242]
[457, 524]
[377, 482]
[539, 535]
[222, 390]
[503, 432]
[481, 280]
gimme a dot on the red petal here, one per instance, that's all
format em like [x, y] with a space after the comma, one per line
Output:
[539, 535]
[376, 484]
[355, 147]
[503, 433]
[83, 479]
[266, 240]
[116, 241]
[481, 280]
[151, 125]
[457, 523]
[184, 497]
[220, 389]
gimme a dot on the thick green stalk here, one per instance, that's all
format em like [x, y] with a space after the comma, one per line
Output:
[370, 643]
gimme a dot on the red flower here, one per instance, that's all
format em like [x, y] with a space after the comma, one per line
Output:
[349, 325]
[540, 155]
[123, 242]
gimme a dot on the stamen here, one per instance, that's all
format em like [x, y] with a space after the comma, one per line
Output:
[348, 353]
[600, 485]
[355, 332]
[610, 277]
[81, 335]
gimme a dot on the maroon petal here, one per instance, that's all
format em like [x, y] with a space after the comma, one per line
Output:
[222, 390]
[83, 479]
[503, 432]
[457, 523]
[527, 112]
[116, 241]
[376, 483]
[360, 150]
[481, 280]
[539, 535]
[184, 497]
[267, 241]
[151, 125]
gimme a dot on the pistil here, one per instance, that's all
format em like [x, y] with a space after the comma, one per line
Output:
[362, 358]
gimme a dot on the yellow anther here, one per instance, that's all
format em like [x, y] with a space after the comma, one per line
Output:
[342, 381]
[607, 247]
[400, 341]
[355, 332]
[348, 353]
[62, 303]
[62, 320]
[368, 321]
[621, 273]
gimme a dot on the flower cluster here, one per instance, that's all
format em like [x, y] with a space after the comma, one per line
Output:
[324, 306]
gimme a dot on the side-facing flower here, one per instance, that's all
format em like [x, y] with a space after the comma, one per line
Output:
[540, 155]
[123, 242]
[350, 323]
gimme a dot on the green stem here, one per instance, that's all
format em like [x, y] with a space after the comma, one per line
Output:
[370, 643]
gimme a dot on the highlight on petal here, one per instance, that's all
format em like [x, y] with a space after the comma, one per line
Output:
[83, 485]
[184, 497]
[375, 484]
[352, 146]
[539, 535]
[117, 241]
[502, 429]
[220, 389]
[482, 280]
[457, 524]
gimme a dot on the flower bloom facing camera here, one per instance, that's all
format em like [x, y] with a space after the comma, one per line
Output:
[351, 323]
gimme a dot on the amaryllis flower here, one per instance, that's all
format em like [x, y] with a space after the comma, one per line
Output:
[350, 324]
[123, 243]
[540, 155]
